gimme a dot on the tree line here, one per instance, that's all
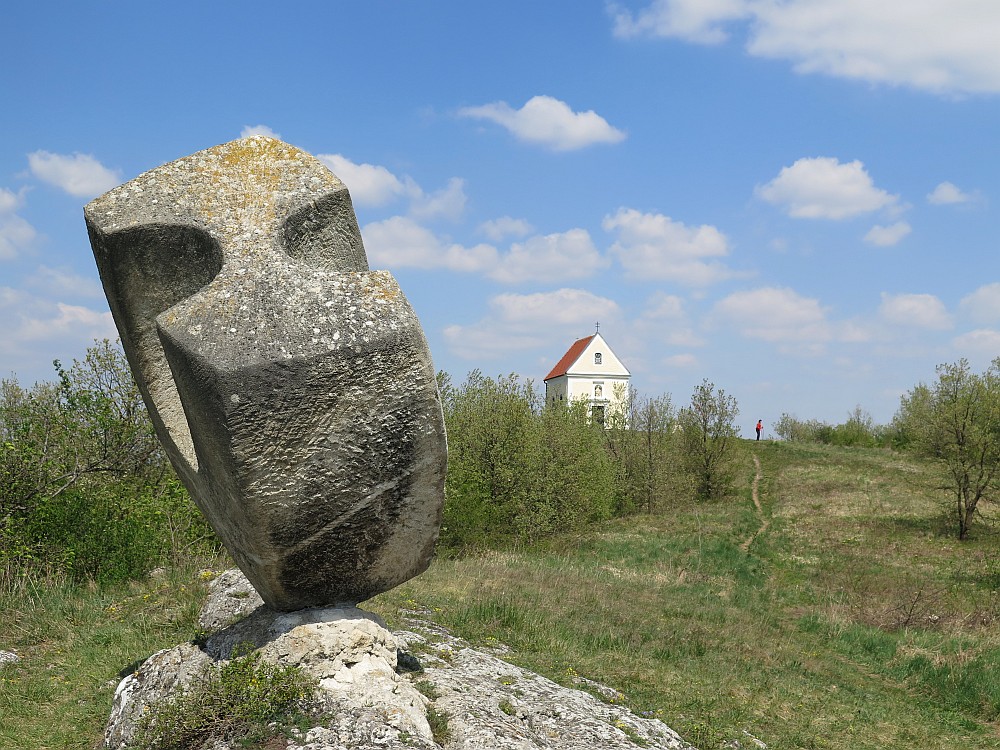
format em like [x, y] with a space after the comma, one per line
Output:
[86, 490]
[952, 422]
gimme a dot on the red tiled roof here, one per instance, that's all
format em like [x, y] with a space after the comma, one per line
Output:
[569, 358]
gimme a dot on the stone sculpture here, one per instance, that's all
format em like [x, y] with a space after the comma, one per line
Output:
[292, 387]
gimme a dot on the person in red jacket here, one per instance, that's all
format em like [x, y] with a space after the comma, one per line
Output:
[760, 427]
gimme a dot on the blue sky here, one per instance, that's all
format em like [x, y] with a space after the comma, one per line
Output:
[796, 200]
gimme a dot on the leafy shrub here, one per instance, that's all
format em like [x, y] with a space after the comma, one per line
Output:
[85, 489]
[232, 703]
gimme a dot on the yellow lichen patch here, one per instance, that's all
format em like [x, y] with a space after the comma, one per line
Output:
[246, 174]
[383, 286]
[248, 152]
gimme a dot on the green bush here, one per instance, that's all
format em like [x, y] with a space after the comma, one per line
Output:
[516, 471]
[85, 489]
[243, 700]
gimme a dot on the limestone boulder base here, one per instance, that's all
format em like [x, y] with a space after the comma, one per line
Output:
[291, 386]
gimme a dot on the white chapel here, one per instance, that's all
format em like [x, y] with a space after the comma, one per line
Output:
[589, 371]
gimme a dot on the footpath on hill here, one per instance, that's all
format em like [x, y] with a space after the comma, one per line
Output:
[765, 522]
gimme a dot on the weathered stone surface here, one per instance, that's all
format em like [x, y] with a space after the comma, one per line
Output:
[291, 386]
[494, 705]
[8, 657]
[371, 702]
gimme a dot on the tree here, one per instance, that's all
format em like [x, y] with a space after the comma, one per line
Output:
[708, 436]
[640, 441]
[517, 471]
[84, 485]
[956, 422]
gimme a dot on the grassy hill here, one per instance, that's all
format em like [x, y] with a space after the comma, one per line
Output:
[839, 611]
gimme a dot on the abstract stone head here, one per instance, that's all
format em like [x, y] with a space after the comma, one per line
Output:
[291, 387]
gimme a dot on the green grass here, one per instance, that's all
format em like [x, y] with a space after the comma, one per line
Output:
[856, 620]
[75, 644]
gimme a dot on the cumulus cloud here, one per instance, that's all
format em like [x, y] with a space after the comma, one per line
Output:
[249, 130]
[505, 226]
[530, 321]
[982, 342]
[699, 21]
[550, 257]
[448, 202]
[887, 236]
[400, 242]
[64, 282]
[37, 328]
[665, 319]
[80, 175]
[915, 311]
[983, 305]
[369, 184]
[681, 361]
[652, 246]
[947, 194]
[823, 188]
[548, 122]
[374, 185]
[16, 234]
[773, 314]
[946, 48]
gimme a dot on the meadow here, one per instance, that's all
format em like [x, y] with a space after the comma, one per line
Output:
[840, 612]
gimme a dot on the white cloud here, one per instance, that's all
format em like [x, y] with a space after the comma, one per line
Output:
[505, 226]
[531, 321]
[552, 257]
[887, 236]
[693, 20]
[80, 175]
[400, 242]
[915, 310]
[941, 47]
[549, 122]
[655, 247]
[681, 361]
[36, 329]
[10, 201]
[64, 282]
[369, 184]
[665, 319]
[823, 188]
[773, 314]
[448, 202]
[947, 193]
[16, 234]
[374, 185]
[984, 342]
[249, 130]
[925, 44]
[983, 305]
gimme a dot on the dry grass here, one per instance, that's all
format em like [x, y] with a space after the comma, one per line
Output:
[854, 621]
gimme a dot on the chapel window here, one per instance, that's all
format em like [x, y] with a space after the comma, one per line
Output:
[597, 358]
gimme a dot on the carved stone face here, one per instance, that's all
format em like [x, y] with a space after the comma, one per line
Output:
[292, 388]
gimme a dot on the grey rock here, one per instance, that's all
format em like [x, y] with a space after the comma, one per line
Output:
[494, 705]
[231, 597]
[161, 677]
[369, 702]
[291, 386]
[8, 657]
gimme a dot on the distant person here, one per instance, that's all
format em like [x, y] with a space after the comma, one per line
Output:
[760, 427]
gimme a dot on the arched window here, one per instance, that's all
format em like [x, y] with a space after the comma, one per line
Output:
[597, 358]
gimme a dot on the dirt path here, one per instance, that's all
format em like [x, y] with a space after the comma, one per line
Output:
[764, 522]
